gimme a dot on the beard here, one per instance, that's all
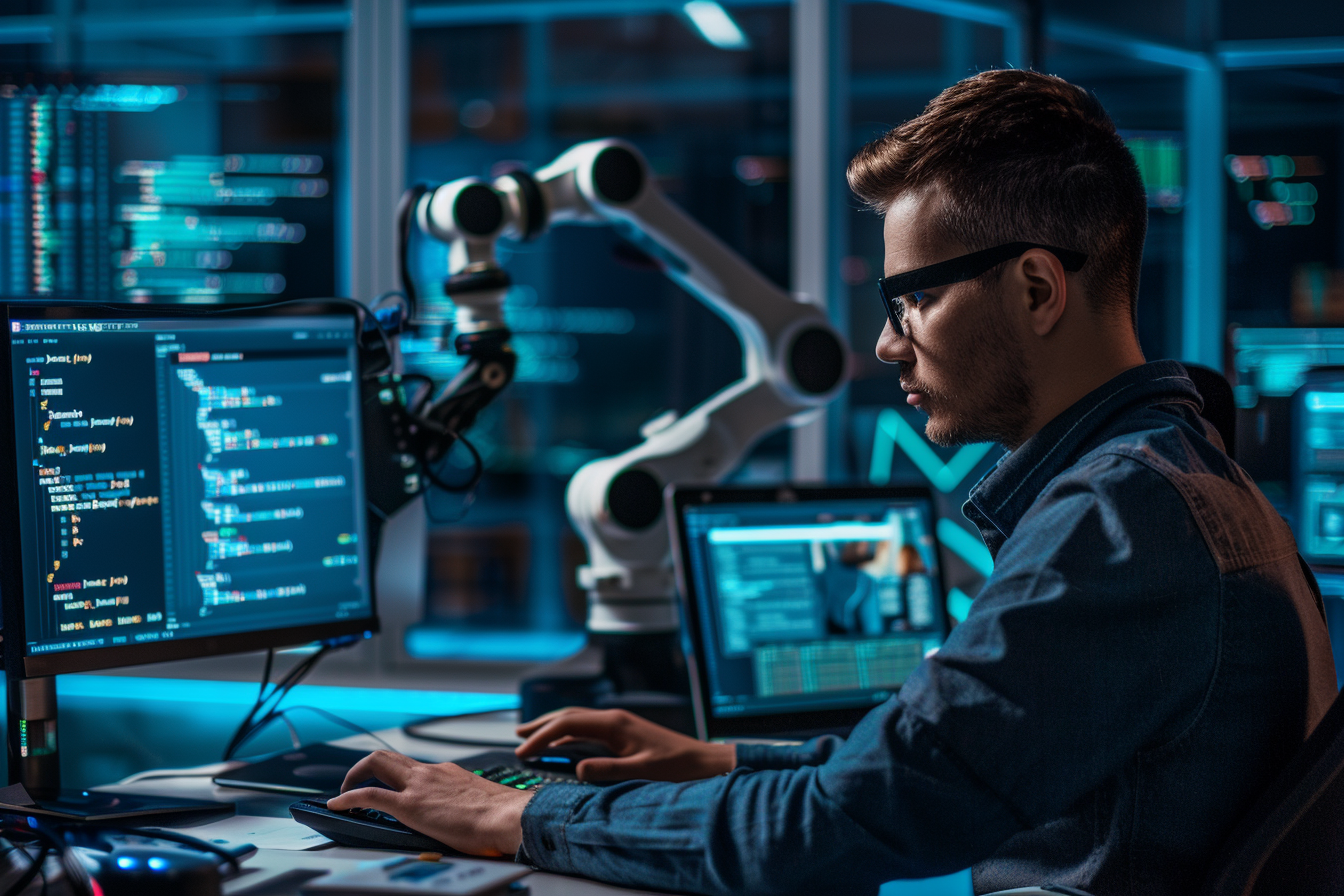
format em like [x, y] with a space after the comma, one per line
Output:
[985, 396]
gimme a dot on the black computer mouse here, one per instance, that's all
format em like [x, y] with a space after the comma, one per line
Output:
[565, 758]
[159, 871]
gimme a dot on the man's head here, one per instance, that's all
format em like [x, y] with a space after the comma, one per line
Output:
[1005, 157]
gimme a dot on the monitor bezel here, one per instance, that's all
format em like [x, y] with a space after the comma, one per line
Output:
[678, 498]
[17, 663]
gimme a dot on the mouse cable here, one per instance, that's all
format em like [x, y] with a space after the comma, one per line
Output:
[411, 729]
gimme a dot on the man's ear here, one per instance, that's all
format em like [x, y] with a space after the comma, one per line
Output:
[1038, 279]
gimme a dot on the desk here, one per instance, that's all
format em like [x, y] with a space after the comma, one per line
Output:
[280, 872]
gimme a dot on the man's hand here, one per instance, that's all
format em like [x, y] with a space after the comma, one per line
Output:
[443, 801]
[643, 749]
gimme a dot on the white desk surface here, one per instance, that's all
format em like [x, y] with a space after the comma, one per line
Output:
[280, 872]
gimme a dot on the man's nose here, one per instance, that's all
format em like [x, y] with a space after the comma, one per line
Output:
[893, 346]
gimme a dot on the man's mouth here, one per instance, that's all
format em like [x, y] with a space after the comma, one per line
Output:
[914, 394]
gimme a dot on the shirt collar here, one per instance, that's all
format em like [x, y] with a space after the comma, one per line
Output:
[1003, 496]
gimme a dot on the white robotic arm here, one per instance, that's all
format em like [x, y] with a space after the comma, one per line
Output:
[794, 361]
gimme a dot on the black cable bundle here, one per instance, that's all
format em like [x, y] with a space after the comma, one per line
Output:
[267, 704]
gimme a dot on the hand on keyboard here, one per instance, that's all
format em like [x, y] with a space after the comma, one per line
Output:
[642, 749]
[443, 801]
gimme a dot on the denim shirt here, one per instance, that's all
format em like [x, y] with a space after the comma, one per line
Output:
[1146, 654]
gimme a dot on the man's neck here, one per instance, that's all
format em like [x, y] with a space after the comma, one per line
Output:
[1071, 378]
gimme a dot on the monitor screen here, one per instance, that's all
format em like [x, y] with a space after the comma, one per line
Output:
[184, 479]
[1318, 468]
[166, 192]
[814, 604]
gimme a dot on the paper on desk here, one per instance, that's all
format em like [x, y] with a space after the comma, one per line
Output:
[261, 832]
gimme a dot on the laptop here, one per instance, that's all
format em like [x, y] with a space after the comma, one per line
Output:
[803, 607]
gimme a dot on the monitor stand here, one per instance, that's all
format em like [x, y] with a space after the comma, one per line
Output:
[35, 770]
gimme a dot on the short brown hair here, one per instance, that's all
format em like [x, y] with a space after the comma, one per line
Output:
[1021, 156]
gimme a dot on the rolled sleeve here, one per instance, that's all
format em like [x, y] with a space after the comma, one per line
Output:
[545, 819]
[783, 756]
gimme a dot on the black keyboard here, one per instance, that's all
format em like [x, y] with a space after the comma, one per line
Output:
[363, 828]
[372, 829]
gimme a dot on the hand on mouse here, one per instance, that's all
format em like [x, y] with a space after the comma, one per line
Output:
[643, 749]
[442, 800]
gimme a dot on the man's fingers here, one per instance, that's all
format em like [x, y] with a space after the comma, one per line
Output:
[366, 798]
[588, 725]
[527, 728]
[391, 768]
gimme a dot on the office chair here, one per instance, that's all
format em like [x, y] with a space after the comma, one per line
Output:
[1220, 408]
[1292, 838]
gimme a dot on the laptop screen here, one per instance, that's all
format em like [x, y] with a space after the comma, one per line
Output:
[811, 605]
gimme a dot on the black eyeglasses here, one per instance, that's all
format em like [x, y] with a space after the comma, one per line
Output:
[897, 287]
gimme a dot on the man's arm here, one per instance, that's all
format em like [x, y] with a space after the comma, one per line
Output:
[844, 827]
[645, 751]
[1060, 673]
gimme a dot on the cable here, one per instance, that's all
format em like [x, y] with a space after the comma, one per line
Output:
[256, 705]
[467, 489]
[468, 500]
[410, 730]
[251, 724]
[283, 714]
[344, 723]
[31, 872]
[77, 876]
[405, 208]
[424, 397]
[477, 469]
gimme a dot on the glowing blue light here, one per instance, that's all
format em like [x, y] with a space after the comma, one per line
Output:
[157, 864]
[1325, 401]
[240, 693]
[715, 25]
[966, 546]
[126, 862]
[32, 822]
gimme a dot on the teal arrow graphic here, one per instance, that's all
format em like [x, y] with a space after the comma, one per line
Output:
[892, 430]
[966, 546]
[958, 604]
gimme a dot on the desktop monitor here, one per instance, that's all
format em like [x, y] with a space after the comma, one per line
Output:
[1318, 469]
[177, 483]
[804, 607]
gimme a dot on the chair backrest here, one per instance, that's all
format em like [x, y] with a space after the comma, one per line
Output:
[1220, 407]
[1292, 839]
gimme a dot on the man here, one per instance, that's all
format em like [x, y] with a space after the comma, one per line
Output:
[1147, 653]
